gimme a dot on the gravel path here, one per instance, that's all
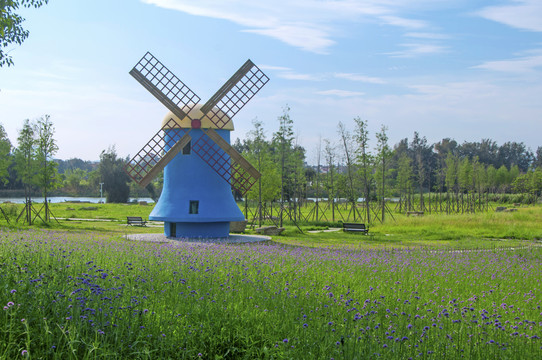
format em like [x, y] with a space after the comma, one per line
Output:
[232, 239]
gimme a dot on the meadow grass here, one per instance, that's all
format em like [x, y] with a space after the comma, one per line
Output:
[69, 295]
[460, 231]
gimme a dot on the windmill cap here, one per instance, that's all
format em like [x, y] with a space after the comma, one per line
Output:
[196, 113]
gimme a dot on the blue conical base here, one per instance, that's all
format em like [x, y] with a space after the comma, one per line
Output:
[195, 200]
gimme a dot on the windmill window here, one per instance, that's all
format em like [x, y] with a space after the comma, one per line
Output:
[194, 207]
[188, 148]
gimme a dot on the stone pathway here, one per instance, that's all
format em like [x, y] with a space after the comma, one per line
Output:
[232, 239]
[328, 230]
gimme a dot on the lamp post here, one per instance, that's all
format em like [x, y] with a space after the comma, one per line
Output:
[101, 192]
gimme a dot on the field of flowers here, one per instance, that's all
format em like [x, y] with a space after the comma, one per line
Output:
[89, 296]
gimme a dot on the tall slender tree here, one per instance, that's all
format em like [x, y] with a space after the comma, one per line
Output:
[283, 139]
[383, 155]
[330, 156]
[258, 153]
[349, 150]
[25, 163]
[419, 148]
[404, 180]
[5, 155]
[46, 147]
[365, 161]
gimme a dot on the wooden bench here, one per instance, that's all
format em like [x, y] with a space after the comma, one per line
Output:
[355, 227]
[136, 221]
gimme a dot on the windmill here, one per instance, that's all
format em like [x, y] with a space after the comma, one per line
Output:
[193, 148]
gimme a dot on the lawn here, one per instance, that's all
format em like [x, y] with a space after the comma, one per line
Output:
[87, 295]
[461, 231]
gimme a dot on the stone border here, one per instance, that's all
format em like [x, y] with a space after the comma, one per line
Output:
[232, 239]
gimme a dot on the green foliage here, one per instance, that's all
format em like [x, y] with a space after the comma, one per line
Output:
[11, 29]
[5, 155]
[259, 155]
[289, 158]
[47, 175]
[404, 174]
[114, 177]
[383, 156]
[26, 164]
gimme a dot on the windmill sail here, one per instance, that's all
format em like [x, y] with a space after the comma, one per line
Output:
[235, 93]
[226, 161]
[220, 108]
[178, 98]
[164, 85]
[156, 154]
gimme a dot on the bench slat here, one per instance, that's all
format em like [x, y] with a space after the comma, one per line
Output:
[355, 227]
[136, 220]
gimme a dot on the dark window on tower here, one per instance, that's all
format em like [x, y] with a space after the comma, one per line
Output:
[188, 148]
[194, 205]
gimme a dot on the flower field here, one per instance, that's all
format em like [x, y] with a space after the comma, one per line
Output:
[88, 296]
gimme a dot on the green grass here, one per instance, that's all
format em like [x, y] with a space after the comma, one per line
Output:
[69, 295]
[461, 231]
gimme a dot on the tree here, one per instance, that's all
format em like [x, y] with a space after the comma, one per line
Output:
[330, 155]
[502, 175]
[5, 155]
[491, 175]
[420, 149]
[257, 153]
[513, 153]
[451, 176]
[538, 159]
[25, 163]
[348, 147]
[283, 141]
[383, 154]
[73, 179]
[47, 174]
[404, 178]
[114, 177]
[364, 159]
[11, 29]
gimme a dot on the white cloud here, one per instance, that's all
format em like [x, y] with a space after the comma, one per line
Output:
[417, 49]
[403, 22]
[341, 93]
[360, 78]
[290, 75]
[274, 68]
[522, 64]
[523, 14]
[306, 24]
[305, 37]
[427, 35]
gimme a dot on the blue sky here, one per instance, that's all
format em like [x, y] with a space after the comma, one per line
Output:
[445, 68]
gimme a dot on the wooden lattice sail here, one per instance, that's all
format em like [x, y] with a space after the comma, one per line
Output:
[180, 100]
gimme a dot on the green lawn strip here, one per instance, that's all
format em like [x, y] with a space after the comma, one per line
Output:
[479, 230]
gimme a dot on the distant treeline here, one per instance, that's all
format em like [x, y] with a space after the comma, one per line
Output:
[355, 164]
[351, 165]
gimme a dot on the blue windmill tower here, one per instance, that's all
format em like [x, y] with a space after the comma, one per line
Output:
[193, 148]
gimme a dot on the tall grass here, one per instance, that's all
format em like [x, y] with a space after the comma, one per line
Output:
[93, 297]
